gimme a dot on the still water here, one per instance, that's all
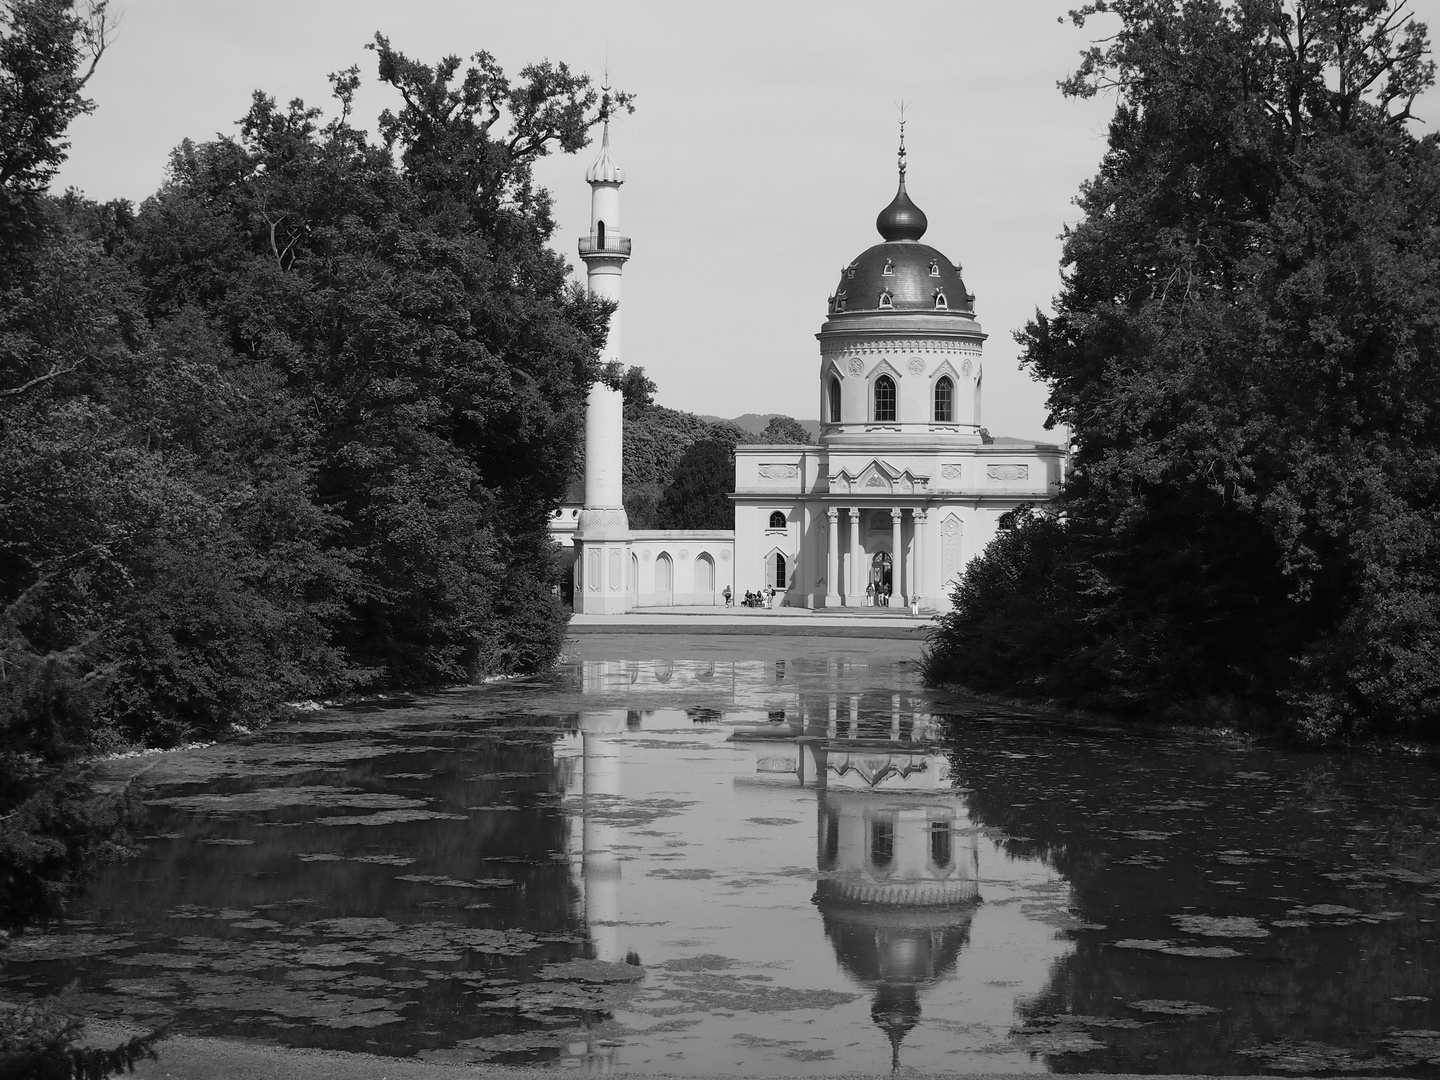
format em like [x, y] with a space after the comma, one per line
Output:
[770, 856]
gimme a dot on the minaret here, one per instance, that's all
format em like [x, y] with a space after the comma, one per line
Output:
[602, 565]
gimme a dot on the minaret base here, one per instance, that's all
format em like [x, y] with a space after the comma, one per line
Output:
[604, 577]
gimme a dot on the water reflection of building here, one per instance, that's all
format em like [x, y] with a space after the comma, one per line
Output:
[896, 852]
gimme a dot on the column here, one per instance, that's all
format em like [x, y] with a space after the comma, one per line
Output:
[897, 557]
[856, 590]
[832, 560]
[918, 579]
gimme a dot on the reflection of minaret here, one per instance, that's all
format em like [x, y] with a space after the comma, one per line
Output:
[603, 532]
[600, 867]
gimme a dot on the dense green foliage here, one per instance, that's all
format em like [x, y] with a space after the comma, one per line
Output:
[785, 429]
[657, 460]
[1245, 351]
[293, 427]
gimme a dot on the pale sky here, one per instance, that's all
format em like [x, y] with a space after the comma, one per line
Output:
[760, 151]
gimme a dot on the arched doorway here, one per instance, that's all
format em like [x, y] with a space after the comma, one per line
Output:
[634, 583]
[880, 575]
[704, 579]
[776, 571]
[664, 581]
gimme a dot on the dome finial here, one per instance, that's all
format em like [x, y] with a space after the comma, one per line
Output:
[902, 105]
[902, 219]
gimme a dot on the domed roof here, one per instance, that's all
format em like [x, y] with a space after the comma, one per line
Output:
[902, 275]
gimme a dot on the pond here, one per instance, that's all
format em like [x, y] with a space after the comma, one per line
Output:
[772, 856]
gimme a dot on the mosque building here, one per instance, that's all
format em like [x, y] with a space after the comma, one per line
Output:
[902, 488]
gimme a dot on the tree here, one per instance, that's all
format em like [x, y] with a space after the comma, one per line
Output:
[785, 429]
[698, 496]
[44, 46]
[1244, 349]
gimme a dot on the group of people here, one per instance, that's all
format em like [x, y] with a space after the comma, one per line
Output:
[764, 598]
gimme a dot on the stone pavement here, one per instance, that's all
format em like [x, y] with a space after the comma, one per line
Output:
[802, 622]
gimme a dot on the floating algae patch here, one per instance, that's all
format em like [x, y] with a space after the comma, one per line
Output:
[619, 811]
[1420, 1047]
[703, 962]
[456, 883]
[390, 817]
[1174, 948]
[1231, 926]
[1159, 1007]
[1304, 1057]
[33, 948]
[686, 874]
[592, 971]
[772, 821]
[280, 798]
[754, 993]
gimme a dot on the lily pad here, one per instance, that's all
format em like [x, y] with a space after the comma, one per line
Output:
[1230, 926]
[594, 971]
[1159, 1007]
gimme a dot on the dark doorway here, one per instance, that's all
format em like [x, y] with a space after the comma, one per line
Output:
[880, 573]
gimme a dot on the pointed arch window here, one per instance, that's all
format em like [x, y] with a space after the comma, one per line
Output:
[885, 299]
[940, 302]
[944, 400]
[600, 235]
[834, 400]
[885, 400]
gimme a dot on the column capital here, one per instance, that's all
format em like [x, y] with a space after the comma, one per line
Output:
[833, 514]
[921, 514]
[897, 514]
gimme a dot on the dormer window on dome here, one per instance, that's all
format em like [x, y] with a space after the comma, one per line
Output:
[940, 304]
[886, 300]
[934, 268]
[889, 270]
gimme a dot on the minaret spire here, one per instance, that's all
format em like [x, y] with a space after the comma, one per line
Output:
[901, 106]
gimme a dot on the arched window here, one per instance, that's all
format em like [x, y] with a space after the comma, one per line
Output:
[882, 842]
[664, 580]
[600, 235]
[885, 399]
[834, 400]
[777, 520]
[944, 400]
[885, 300]
[941, 851]
[940, 304]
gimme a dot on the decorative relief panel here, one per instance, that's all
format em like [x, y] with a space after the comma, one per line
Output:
[592, 570]
[950, 472]
[725, 555]
[915, 366]
[877, 481]
[645, 555]
[614, 569]
[857, 366]
[684, 553]
[1008, 474]
[780, 472]
[950, 548]
[966, 367]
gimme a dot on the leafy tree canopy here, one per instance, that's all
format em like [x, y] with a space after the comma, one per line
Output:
[785, 429]
[1245, 349]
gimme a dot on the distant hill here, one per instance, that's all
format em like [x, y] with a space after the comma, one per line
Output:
[755, 423]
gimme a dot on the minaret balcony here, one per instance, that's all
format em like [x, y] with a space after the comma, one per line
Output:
[605, 245]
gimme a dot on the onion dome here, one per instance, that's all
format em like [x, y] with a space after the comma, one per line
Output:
[902, 219]
[605, 171]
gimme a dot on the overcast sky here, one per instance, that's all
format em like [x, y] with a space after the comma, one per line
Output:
[760, 151]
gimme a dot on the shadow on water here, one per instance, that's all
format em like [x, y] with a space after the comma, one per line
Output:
[780, 858]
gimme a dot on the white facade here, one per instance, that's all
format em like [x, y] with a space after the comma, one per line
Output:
[901, 490]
